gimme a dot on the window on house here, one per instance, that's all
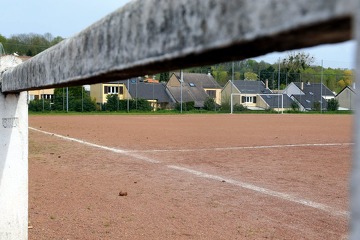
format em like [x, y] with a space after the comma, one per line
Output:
[311, 93]
[192, 84]
[46, 96]
[111, 89]
[121, 90]
[211, 93]
[308, 101]
[248, 99]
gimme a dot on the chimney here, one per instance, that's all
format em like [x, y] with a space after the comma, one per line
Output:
[267, 84]
[302, 85]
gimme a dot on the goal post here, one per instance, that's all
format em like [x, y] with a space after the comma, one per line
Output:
[279, 100]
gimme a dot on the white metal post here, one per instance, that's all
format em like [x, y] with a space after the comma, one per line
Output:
[321, 85]
[181, 90]
[13, 166]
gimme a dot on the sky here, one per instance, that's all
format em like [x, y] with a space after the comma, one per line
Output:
[66, 18]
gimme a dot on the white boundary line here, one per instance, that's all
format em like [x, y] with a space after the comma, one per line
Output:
[248, 147]
[280, 195]
[114, 150]
[265, 191]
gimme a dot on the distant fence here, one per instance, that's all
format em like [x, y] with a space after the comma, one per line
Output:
[151, 36]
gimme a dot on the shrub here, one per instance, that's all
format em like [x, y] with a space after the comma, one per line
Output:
[239, 108]
[295, 107]
[210, 104]
[39, 105]
[317, 106]
[141, 105]
[186, 106]
[112, 101]
[332, 104]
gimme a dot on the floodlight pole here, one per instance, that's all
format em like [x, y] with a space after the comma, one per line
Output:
[67, 99]
[181, 92]
[43, 101]
[82, 98]
[128, 93]
[279, 81]
[322, 74]
[231, 87]
[118, 93]
[63, 98]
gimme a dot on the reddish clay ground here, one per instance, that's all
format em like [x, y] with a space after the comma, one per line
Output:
[74, 188]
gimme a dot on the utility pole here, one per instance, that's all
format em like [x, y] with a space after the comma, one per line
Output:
[321, 85]
[67, 99]
[181, 92]
[128, 93]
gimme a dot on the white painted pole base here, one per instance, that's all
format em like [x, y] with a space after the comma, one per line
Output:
[13, 166]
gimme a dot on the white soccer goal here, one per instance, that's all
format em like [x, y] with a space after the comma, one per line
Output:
[280, 102]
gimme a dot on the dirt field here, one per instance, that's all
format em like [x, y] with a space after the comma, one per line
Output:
[189, 177]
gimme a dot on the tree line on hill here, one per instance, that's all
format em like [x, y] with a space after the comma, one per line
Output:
[28, 44]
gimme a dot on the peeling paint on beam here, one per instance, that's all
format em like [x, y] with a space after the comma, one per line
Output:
[152, 36]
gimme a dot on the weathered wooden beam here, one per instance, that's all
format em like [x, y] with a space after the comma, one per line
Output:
[152, 36]
[355, 174]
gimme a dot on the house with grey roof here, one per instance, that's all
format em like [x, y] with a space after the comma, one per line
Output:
[193, 87]
[154, 92]
[276, 102]
[346, 98]
[309, 96]
[255, 95]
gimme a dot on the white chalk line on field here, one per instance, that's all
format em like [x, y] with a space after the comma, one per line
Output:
[247, 147]
[265, 191]
[114, 150]
[284, 196]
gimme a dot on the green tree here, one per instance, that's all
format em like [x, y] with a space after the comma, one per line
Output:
[186, 106]
[294, 63]
[251, 76]
[221, 76]
[316, 106]
[164, 77]
[79, 100]
[346, 80]
[30, 44]
[210, 104]
[112, 102]
[329, 79]
[141, 105]
[268, 74]
[333, 104]
[295, 106]
[39, 105]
